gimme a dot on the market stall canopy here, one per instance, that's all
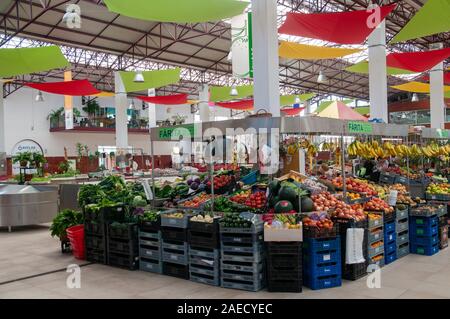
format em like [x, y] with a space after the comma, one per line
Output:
[292, 111]
[363, 67]
[152, 79]
[426, 78]
[417, 61]
[165, 100]
[338, 110]
[431, 19]
[292, 50]
[248, 104]
[339, 27]
[243, 105]
[176, 11]
[14, 62]
[416, 87]
[222, 93]
[70, 88]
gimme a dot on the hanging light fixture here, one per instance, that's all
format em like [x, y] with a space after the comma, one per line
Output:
[234, 91]
[297, 100]
[415, 98]
[131, 106]
[39, 97]
[139, 77]
[230, 56]
[321, 78]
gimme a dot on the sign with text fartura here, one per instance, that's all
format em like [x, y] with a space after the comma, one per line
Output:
[173, 133]
[443, 133]
[359, 127]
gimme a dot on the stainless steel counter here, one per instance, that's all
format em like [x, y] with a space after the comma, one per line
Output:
[27, 205]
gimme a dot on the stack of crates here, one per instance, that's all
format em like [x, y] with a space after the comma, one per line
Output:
[204, 253]
[352, 271]
[443, 232]
[402, 230]
[390, 238]
[95, 229]
[123, 249]
[284, 266]
[322, 263]
[242, 263]
[150, 247]
[424, 235]
[175, 248]
[375, 241]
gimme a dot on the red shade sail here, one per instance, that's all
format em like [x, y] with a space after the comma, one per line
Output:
[426, 78]
[417, 61]
[292, 111]
[71, 88]
[242, 105]
[165, 100]
[340, 27]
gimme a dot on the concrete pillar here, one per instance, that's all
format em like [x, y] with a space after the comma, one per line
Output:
[265, 56]
[378, 73]
[2, 121]
[203, 105]
[121, 112]
[151, 110]
[437, 103]
[68, 104]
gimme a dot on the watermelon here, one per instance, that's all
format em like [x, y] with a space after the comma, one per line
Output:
[274, 187]
[283, 206]
[273, 201]
[307, 205]
[287, 193]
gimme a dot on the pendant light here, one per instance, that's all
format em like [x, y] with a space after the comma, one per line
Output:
[321, 78]
[415, 98]
[297, 100]
[39, 97]
[139, 77]
[234, 91]
[131, 106]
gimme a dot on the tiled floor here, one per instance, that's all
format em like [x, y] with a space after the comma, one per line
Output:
[31, 251]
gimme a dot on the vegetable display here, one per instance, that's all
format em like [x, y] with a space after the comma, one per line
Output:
[65, 219]
[232, 220]
[196, 201]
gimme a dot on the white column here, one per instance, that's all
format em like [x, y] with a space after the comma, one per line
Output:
[265, 56]
[378, 73]
[203, 105]
[121, 112]
[2, 120]
[437, 103]
[151, 110]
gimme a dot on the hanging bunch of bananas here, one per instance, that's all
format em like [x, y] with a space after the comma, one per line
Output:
[328, 147]
[367, 150]
[390, 149]
[433, 150]
[312, 150]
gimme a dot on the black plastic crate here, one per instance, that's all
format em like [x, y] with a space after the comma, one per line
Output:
[290, 248]
[123, 231]
[94, 228]
[314, 232]
[443, 221]
[205, 227]
[284, 285]
[389, 217]
[147, 226]
[176, 270]
[294, 275]
[105, 214]
[174, 233]
[204, 239]
[130, 262]
[95, 242]
[97, 256]
[128, 247]
[284, 262]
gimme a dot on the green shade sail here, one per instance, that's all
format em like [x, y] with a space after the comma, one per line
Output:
[14, 62]
[322, 106]
[153, 79]
[222, 93]
[364, 110]
[290, 99]
[363, 67]
[178, 11]
[432, 18]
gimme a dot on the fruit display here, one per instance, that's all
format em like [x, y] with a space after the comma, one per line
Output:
[256, 200]
[428, 209]
[377, 204]
[291, 192]
[177, 215]
[405, 200]
[324, 201]
[314, 187]
[377, 244]
[196, 201]
[373, 216]
[241, 197]
[233, 220]
[320, 221]
[400, 188]
[353, 196]
[438, 189]
[403, 171]
[348, 212]
[221, 182]
[282, 221]
[356, 185]
[203, 219]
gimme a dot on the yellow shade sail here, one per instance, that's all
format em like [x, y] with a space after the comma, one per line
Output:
[291, 50]
[104, 94]
[417, 87]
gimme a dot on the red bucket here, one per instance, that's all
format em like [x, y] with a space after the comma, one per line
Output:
[76, 237]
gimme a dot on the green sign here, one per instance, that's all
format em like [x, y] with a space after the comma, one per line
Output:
[359, 127]
[174, 133]
[443, 133]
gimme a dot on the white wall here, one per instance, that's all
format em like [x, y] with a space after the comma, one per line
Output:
[27, 119]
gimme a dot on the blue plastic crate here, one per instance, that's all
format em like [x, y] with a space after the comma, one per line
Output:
[415, 230]
[390, 258]
[328, 269]
[250, 178]
[424, 221]
[390, 247]
[424, 240]
[322, 257]
[323, 282]
[388, 238]
[427, 250]
[389, 227]
[322, 244]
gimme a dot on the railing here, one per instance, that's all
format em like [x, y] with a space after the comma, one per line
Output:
[107, 123]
